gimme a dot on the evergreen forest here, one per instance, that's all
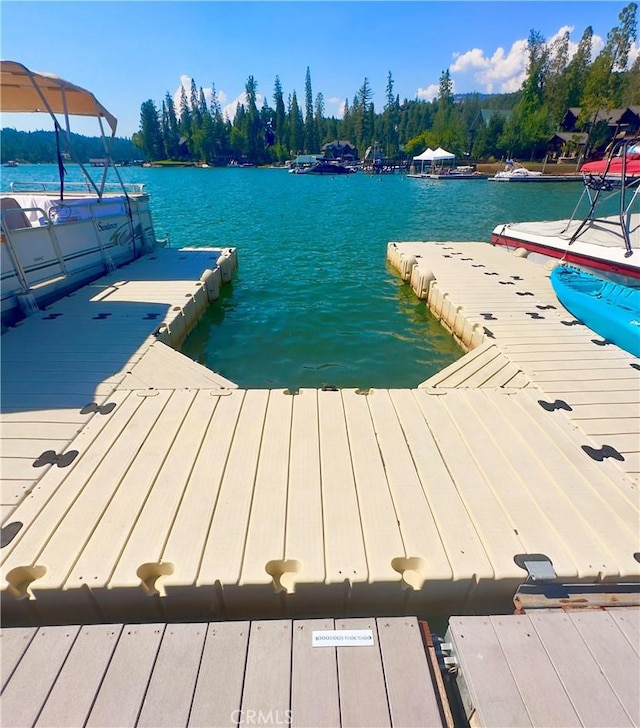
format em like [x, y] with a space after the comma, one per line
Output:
[518, 124]
[477, 126]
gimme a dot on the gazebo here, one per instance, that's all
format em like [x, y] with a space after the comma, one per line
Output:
[426, 156]
[431, 156]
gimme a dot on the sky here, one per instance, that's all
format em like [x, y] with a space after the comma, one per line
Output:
[127, 52]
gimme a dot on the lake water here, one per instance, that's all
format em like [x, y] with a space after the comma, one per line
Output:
[313, 301]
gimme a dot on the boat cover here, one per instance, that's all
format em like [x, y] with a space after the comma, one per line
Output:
[25, 91]
[600, 167]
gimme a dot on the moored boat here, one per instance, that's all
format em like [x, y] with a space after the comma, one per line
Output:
[599, 240]
[607, 308]
[516, 172]
[59, 237]
[322, 167]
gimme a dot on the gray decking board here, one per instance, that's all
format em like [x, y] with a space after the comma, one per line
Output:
[80, 677]
[120, 697]
[363, 698]
[218, 692]
[315, 700]
[167, 701]
[549, 668]
[13, 645]
[407, 674]
[222, 673]
[28, 688]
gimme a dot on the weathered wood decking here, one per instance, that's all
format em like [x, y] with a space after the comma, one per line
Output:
[549, 668]
[217, 674]
[180, 496]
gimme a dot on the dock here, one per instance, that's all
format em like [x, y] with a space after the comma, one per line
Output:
[537, 669]
[139, 487]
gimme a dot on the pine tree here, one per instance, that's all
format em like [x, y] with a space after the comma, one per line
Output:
[149, 139]
[310, 141]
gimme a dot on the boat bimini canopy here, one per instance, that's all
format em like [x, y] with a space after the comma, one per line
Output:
[25, 91]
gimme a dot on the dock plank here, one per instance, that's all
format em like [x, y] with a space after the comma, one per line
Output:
[464, 547]
[13, 643]
[167, 701]
[267, 679]
[378, 517]
[305, 537]
[424, 551]
[122, 691]
[628, 622]
[412, 700]
[104, 549]
[80, 676]
[591, 694]
[265, 534]
[186, 542]
[363, 695]
[222, 558]
[170, 469]
[614, 656]
[25, 693]
[345, 555]
[315, 700]
[545, 699]
[218, 692]
[493, 689]
[94, 495]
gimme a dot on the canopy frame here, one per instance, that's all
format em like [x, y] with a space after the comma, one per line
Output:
[26, 91]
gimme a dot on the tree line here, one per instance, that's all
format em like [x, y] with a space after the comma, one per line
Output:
[519, 124]
[39, 147]
[483, 127]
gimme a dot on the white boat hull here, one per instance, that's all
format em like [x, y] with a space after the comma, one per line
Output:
[65, 246]
[600, 246]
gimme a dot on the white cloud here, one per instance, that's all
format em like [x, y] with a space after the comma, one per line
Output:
[505, 70]
[428, 94]
[229, 110]
[335, 107]
[466, 61]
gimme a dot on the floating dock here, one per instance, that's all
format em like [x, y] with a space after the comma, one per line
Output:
[140, 489]
[139, 485]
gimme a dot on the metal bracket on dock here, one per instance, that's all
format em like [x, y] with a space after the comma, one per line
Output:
[538, 567]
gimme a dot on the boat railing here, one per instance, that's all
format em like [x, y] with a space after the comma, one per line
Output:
[15, 222]
[75, 187]
[624, 186]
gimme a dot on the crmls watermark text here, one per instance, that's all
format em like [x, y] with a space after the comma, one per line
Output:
[261, 717]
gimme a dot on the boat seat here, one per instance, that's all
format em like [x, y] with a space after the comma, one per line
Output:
[13, 216]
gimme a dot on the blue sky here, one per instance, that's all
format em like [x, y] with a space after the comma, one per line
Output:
[128, 52]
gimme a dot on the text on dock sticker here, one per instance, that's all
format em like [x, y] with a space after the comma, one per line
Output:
[342, 638]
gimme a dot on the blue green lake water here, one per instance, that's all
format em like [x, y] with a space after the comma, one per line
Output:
[313, 301]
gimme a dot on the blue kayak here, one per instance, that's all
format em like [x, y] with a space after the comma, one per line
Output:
[609, 309]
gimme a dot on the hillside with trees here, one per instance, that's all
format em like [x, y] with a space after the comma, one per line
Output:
[39, 147]
[479, 126]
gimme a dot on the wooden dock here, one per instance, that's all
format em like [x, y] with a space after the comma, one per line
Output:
[545, 668]
[549, 668]
[170, 675]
